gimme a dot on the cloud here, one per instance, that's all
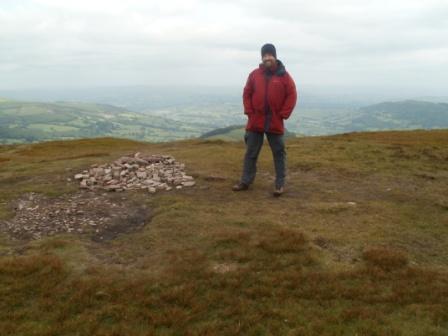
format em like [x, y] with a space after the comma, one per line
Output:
[323, 42]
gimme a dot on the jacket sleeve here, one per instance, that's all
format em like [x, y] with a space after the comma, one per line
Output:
[291, 98]
[247, 95]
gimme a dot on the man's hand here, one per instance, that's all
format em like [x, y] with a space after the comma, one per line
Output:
[290, 100]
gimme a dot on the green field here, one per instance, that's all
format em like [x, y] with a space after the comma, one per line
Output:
[34, 121]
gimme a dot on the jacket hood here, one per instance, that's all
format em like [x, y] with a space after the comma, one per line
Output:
[279, 69]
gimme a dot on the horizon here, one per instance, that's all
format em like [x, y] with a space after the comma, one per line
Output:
[359, 96]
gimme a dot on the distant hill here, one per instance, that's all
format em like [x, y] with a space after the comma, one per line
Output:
[408, 114]
[37, 121]
[234, 133]
[24, 121]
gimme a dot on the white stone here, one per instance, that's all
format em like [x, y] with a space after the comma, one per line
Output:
[141, 174]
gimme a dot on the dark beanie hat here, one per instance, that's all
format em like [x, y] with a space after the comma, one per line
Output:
[268, 48]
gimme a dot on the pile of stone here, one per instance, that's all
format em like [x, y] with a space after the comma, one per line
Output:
[102, 216]
[137, 171]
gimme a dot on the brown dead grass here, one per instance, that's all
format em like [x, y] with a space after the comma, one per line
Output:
[357, 245]
[385, 258]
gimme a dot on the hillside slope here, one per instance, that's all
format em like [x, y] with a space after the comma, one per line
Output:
[233, 133]
[407, 114]
[358, 244]
[37, 121]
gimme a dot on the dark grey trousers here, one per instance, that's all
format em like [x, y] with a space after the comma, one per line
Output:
[254, 142]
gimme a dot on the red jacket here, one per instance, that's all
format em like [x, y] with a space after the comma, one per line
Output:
[269, 97]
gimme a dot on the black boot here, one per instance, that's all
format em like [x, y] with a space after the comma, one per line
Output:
[278, 191]
[240, 186]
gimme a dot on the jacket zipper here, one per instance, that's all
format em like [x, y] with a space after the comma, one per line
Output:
[266, 103]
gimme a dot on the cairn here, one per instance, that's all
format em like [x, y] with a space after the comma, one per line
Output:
[136, 171]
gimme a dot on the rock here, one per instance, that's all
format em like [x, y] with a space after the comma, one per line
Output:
[79, 176]
[161, 186]
[147, 182]
[126, 159]
[113, 181]
[112, 187]
[97, 171]
[177, 182]
[141, 161]
[188, 183]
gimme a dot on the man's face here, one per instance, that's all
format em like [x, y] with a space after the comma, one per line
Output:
[268, 60]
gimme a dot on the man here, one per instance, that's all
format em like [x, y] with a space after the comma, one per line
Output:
[269, 98]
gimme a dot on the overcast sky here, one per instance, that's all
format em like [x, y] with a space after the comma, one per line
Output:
[387, 44]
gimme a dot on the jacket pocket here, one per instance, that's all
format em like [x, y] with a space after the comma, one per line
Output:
[277, 122]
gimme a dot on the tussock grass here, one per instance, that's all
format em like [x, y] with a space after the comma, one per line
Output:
[357, 245]
[385, 258]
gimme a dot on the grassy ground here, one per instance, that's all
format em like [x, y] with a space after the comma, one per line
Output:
[358, 244]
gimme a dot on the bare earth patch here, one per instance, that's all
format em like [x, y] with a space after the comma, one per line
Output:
[101, 216]
[224, 267]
